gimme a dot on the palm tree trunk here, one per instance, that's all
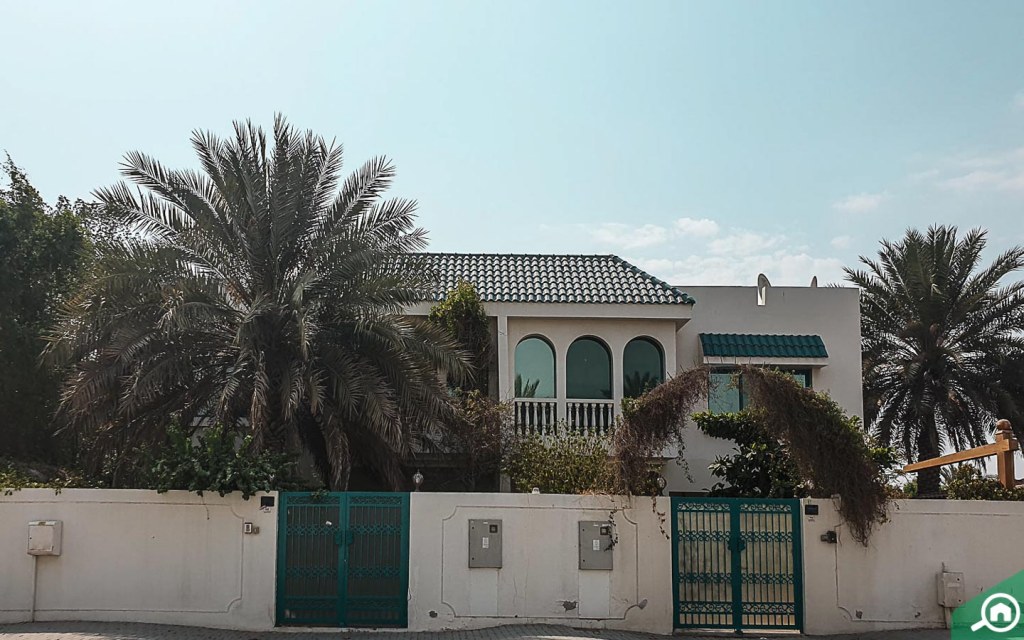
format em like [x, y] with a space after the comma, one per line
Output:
[928, 480]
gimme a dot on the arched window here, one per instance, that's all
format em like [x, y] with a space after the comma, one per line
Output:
[588, 370]
[535, 369]
[643, 367]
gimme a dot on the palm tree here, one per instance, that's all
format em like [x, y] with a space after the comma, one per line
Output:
[936, 329]
[257, 292]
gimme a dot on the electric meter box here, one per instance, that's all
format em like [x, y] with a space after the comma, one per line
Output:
[44, 537]
[951, 589]
[596, 541]
[485, 544]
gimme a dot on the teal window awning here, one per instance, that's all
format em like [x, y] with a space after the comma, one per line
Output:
[751, 345]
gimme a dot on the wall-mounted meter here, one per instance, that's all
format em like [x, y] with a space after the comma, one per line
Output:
[597, 538]
[44, 537]
[485, 544]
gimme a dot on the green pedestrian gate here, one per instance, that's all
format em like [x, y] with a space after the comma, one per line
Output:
[737, 563]
[343, 559]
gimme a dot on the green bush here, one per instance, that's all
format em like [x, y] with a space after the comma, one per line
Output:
[761, 467]
[967, 483]
[462, 314]
[218, 460]
[566, 463]
[17, 475]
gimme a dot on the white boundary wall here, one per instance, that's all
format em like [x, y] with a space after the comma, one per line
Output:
[178, 558]
[540, 580]
[891, 583]
[140, 556]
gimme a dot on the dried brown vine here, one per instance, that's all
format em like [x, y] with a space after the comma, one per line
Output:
[827, 446]
[649, 424]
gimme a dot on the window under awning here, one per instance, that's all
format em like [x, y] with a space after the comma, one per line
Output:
[751, 345]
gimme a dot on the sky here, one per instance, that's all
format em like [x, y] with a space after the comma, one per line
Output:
[706, 142]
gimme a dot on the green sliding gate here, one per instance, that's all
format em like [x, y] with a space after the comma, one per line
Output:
[736, 563]
[343, 559]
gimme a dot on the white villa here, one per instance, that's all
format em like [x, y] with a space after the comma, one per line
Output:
[575, 334]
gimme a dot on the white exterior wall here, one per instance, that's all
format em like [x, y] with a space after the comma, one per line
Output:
[830, 312]
[615, 333]
[540, 581]
[891, 583]
[140, 556]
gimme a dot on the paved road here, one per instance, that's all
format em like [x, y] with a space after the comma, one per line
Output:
[132, 631]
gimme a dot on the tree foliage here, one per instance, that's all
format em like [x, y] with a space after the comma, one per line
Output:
[761, 466]
[476, 440]
[568, 462]
[218, 459]
[258, 292]
[42, 249]
[827, 447]
[462, 314]
[940, 333]
[967, 483]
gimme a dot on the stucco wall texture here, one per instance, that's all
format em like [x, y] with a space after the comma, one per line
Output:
[141, 556]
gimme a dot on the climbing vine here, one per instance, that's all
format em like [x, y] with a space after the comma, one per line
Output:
[649, 424]
[828, 448]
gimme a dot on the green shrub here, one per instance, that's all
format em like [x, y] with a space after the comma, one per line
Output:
[761, 467]
[15, 476]
[462, 314]
[565, 463]
[967, 483]
[218, 460]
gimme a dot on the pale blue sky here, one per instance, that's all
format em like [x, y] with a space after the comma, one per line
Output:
[705, 141]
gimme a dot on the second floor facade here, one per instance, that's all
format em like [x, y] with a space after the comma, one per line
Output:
[572, 336]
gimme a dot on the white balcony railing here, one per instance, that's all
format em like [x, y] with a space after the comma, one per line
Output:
[536, 416]
[591, 417]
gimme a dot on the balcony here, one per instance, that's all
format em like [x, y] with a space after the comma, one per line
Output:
[541, 416]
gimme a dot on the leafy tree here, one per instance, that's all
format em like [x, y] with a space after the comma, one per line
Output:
[965, 482]
[41, 252]
[462, 314]
[256, 292]
[937, 329]
[476, 440]
[761, 467]
[216, 459]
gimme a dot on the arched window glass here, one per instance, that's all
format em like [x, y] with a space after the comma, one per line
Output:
[643, 367]
[535, 369]
[588, 370]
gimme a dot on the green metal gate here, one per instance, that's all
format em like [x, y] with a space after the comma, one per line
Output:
[736, 563]
[343, 559]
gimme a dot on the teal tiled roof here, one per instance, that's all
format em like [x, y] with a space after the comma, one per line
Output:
[571, 279]
[748, 345]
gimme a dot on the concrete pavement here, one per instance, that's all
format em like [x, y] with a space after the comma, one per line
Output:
[134, 631]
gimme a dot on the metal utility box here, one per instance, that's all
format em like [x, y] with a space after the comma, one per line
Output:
[44, 537]
[951, 589]
[485, 544]
[596, 541]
